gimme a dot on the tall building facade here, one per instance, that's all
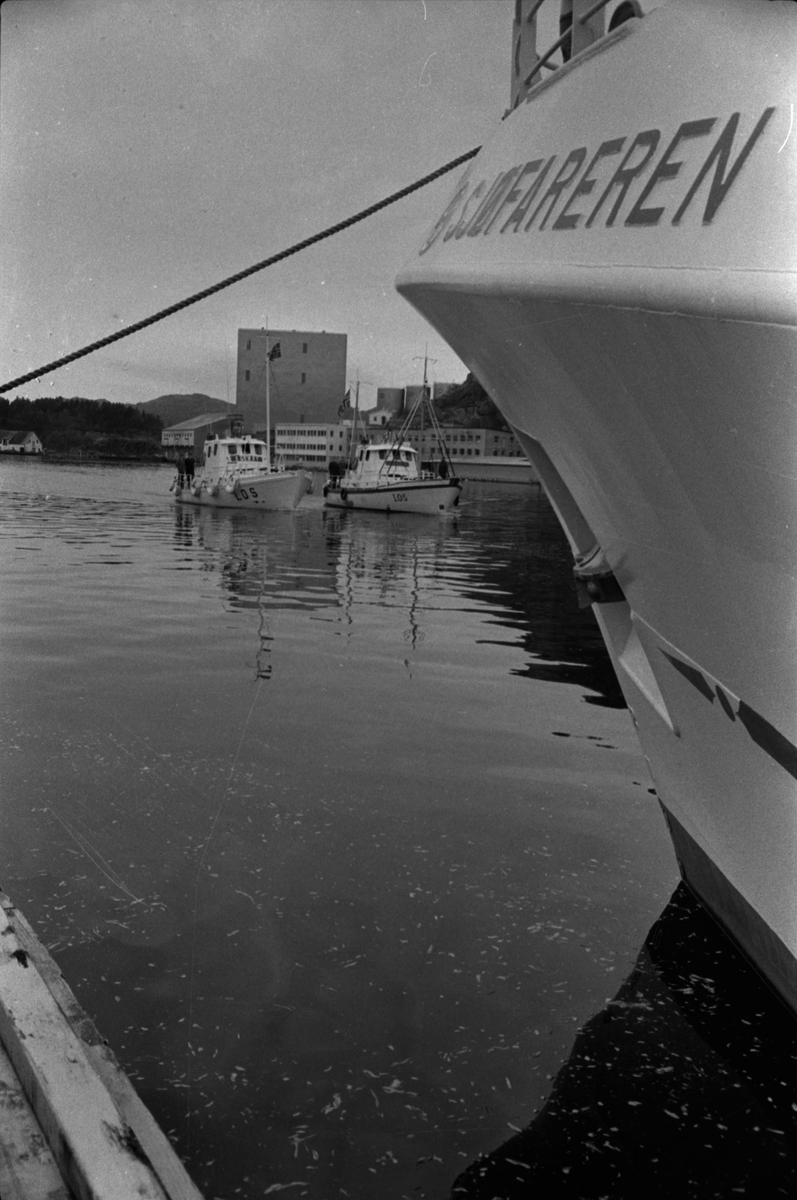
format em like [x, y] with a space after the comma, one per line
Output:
[307, 382]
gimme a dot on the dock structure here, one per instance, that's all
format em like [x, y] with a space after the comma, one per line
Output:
[72, 1126]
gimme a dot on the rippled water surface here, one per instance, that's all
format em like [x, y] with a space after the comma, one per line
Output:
[331, 820]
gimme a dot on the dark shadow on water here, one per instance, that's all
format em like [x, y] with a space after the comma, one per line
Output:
[684, 1086]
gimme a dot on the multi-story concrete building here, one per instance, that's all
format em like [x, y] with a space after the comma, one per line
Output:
[308, 376]
[312, 446]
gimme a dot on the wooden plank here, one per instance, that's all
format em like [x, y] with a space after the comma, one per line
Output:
[96, 1152]
[28, 1170]
[174, 1178]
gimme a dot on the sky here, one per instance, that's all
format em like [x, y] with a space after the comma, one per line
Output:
[151, 148]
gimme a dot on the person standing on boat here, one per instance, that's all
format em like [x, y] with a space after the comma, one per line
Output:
[189, 468]
[180, 470]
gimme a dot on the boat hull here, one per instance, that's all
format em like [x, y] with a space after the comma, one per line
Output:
[645, 353]
[280, 490]
[411, 496]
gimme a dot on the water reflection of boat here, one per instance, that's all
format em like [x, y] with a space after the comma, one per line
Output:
[267, 575]
[617, 267]
[681, 1086]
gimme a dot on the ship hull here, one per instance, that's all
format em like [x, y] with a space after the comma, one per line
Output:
[277, 491]
[420, 497]
[643, 348]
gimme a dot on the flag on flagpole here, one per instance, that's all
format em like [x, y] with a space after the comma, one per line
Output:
[274, 352]
[345, 407]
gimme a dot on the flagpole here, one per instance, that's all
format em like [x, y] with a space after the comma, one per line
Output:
[268, 406]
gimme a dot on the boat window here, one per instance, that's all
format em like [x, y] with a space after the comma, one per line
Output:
[382, 453]
[215, 447]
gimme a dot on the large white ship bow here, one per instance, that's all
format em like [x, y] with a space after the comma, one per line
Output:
[618, 269]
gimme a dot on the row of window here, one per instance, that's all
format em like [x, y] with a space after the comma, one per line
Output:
[248, 376]
[284, 431]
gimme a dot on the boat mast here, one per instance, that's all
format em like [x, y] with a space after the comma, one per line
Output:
[353, 443]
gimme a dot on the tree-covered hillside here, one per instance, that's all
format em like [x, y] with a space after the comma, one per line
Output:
[467, 404]
[90, 427]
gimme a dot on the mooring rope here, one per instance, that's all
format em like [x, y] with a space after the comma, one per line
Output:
[225, 283]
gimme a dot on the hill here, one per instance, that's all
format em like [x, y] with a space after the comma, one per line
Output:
[176, 408]
[466, 404]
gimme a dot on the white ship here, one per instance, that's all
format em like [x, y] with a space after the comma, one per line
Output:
[387, 476]
[236, 472]
[617, 267]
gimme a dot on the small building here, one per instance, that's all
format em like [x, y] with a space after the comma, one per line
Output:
[377, 418]
[188, 437]
[313, 446]
[20, 441]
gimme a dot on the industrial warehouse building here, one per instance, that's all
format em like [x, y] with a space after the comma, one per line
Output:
[308, 376]
[188, 437]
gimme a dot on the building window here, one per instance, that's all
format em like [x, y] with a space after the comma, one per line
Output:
[249, 344]
[304, 347]
[247, 376]
[304, 377]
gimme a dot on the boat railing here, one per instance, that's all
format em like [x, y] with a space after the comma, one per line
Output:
[581, 23]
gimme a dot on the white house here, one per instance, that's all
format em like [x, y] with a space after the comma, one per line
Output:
[17, 441]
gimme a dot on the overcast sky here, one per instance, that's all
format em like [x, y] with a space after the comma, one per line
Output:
[150, 148]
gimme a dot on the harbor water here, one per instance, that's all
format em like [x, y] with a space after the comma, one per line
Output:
[334, 822]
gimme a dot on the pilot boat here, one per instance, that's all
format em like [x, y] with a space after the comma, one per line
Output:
[387, 476]
[235, 472]
[617, 268]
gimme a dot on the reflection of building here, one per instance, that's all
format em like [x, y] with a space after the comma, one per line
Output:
[312, 445]
[308, 376]
[19, 441]
[191, 435]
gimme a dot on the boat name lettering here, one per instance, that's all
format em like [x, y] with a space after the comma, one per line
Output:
[399, 497]
[526, 195]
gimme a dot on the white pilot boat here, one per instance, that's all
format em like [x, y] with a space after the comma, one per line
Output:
[235, 472]
[617, 266]
[387, 476]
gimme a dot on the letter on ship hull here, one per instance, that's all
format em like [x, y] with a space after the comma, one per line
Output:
[634, 318]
